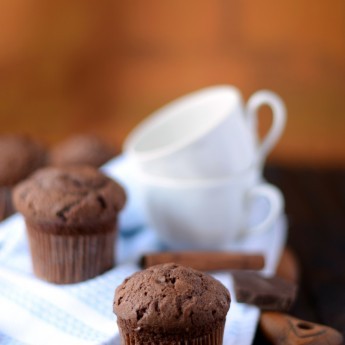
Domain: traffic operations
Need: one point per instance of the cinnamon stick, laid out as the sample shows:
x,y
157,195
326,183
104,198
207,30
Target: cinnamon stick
x,y
206,261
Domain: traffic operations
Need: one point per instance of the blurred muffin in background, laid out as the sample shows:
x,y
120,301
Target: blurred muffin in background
x,y
83,149
20,155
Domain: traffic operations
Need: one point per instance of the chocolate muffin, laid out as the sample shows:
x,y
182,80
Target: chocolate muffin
x,y
84,149
171,304
71,216
19,157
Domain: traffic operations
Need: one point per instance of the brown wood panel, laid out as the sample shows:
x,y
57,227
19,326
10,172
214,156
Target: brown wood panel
x,y
103,66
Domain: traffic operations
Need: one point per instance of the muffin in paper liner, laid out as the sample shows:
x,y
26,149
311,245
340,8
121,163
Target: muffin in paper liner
x,y
171,304
20,155
71,220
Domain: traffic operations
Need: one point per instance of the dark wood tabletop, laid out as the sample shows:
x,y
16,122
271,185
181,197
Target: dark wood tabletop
x,y
315,207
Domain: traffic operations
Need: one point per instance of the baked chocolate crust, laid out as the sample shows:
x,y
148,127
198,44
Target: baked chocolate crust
x,y
83,149
69,196
19,157
171,300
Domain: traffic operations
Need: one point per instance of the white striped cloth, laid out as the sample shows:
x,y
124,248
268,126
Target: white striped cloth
x,y
35,312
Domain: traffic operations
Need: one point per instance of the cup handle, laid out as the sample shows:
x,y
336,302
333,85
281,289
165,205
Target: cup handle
x,y
276,204
278,121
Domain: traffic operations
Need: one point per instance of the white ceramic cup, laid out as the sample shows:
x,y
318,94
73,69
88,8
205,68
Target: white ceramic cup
x,y
205,134
207,214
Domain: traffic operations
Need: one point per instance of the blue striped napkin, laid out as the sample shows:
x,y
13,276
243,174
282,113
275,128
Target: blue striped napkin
x,y
36,312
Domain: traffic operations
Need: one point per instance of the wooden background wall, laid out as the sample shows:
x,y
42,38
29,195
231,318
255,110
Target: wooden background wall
x,y
83,65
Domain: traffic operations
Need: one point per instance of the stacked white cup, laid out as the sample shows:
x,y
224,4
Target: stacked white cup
x,y
198,162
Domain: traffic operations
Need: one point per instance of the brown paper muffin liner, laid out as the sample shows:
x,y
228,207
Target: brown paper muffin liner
x,y
71,258
6,205
213,338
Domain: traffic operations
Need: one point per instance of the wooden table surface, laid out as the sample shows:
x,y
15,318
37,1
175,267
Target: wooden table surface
x,y
315,206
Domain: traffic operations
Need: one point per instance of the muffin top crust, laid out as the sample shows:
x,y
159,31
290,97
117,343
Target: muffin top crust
x,y
69,195
82,149
170,298
19,156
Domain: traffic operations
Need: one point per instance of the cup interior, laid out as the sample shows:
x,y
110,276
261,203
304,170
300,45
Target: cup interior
x,y
181,122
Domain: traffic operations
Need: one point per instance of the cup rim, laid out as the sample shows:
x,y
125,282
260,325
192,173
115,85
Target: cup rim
x,y
169,182
165,113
